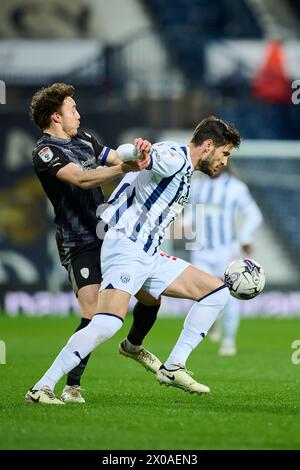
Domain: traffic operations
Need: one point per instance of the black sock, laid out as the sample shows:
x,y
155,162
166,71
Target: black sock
x,y
144,317
75,374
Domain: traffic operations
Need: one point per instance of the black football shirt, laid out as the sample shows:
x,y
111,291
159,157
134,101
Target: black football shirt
x,y
75,208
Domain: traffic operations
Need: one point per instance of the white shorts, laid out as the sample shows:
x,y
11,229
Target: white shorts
x,y
125,266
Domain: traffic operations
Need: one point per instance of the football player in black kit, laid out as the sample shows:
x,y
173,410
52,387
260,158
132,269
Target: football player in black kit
x,y
66,162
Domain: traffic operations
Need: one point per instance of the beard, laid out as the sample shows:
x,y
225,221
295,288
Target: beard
x,y
206,165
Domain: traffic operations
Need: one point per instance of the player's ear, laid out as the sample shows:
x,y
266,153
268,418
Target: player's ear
x,y
208,145
56,117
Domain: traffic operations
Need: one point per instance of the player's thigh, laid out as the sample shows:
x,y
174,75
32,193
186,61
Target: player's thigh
x,y
192,284
113,301
165,270
204,266
83,266
125,268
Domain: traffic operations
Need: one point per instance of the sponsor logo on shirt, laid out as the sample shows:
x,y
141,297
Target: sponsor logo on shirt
x,y
88,164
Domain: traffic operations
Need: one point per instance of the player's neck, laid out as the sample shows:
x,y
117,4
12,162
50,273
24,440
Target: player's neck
x,y
56,132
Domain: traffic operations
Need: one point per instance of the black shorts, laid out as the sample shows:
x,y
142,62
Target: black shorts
x,y
82,264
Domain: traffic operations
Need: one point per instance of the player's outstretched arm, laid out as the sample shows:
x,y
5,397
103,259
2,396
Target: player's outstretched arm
x,y
73,174
139,153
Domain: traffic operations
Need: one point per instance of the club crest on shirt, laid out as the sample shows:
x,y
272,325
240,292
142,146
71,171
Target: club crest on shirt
x,y
46,154
85,272
125,278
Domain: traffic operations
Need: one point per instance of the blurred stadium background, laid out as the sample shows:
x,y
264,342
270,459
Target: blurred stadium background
x,y
152,68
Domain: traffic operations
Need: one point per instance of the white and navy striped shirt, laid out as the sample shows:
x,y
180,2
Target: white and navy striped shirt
x,y
223,197
146,203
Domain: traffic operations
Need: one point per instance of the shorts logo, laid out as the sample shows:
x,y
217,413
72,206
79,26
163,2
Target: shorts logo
x,y
85,272
125,278
46,154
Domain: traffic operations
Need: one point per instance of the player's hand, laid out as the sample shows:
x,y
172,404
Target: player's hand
x,y
247,249
143,161
143,147
136,165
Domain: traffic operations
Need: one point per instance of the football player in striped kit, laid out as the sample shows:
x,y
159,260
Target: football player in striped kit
x,y
224,199
136,217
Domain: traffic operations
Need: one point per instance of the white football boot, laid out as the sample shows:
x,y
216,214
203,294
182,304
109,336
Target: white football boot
x,y
45,395
144,357
227,350
180,378
71,394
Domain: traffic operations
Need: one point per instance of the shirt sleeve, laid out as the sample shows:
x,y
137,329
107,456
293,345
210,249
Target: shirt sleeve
x,y
99,149
102,157
49,158
165,161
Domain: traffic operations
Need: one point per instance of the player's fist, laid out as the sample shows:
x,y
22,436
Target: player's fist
x,y
143,147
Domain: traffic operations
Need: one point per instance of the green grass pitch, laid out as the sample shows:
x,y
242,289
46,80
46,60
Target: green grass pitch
x,y
254,404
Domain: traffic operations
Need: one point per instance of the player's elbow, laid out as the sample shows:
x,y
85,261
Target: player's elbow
x,y
83,184
80,181
75,177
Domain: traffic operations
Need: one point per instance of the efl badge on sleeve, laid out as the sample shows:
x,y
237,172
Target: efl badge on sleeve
x,y
46,154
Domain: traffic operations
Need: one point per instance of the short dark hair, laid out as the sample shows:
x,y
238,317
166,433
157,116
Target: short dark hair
x,y
219,131
47,101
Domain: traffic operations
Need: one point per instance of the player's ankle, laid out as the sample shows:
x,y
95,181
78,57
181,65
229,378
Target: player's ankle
x,y
130,347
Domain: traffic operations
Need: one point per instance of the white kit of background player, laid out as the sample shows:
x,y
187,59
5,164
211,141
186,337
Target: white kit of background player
x,y
224,198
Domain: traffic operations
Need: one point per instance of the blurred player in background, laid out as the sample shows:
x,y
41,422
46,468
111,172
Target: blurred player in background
x,y
224,198
66,162
137,216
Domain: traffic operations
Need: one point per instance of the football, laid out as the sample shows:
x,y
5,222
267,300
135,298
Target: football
x,y
245,278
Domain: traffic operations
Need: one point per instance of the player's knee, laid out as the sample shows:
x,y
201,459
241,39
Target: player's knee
x,y
222,297
89,306
89,313
217,298
88,297
103,327
146,299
